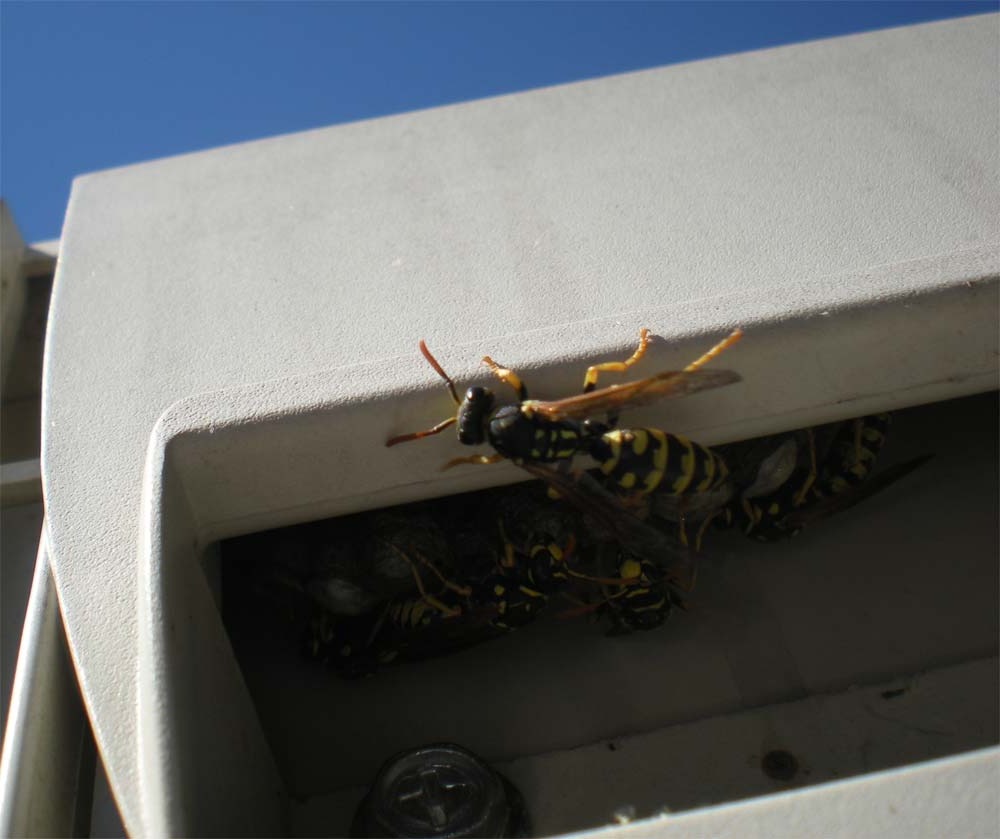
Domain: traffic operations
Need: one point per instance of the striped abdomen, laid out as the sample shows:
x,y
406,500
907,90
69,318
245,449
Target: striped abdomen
x,y
643,460
407,613
846,465
763,517
516,603
853,453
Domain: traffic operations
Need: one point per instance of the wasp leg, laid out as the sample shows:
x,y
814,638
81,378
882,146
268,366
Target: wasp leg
x,y
621,584
590,380
807,485
464,591
481,459
630,572
858,431
679,585
508,377
377,627
702,528
620,581
724,344
508,560
560,556
605,581
446,610
581,610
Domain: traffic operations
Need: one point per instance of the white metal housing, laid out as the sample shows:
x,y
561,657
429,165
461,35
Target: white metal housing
x,y
233,333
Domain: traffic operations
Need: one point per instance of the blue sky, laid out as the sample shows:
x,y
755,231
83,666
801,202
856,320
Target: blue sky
x,y
87,86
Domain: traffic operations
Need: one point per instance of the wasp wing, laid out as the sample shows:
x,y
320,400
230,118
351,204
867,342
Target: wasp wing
x,y
671,384
833,504
633,533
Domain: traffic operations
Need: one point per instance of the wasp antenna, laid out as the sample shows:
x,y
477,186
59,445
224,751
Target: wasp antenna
x,y
440,371
419,435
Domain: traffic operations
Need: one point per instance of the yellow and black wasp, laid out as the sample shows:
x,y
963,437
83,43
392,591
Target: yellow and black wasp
x,y
643,570
407,627
535,558
539,432
481,584
644,599
829,470
424,624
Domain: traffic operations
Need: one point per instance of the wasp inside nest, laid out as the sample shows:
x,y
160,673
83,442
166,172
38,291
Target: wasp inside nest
x,y
620,542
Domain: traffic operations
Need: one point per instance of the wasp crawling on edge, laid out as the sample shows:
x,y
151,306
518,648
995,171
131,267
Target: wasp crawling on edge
x,y
532,431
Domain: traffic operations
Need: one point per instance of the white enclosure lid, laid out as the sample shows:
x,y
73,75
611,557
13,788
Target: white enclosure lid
x,y
838,200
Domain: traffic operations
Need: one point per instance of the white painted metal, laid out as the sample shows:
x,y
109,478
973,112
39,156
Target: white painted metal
x,y
233,332
47,763
954,797
693,770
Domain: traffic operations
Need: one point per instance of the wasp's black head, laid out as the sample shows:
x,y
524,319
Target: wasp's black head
x,y
473,415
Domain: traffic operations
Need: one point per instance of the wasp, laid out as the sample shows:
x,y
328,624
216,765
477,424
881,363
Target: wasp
x,y
405,627
429,621
644,600
441,613
652,570
824,478
531,431
536,558
640,598
846,477
423,625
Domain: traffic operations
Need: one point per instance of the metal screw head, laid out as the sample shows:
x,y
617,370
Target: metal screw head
x,y
440,790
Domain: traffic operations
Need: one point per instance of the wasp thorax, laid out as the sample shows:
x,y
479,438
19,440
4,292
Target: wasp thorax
x,y
473,415
593,428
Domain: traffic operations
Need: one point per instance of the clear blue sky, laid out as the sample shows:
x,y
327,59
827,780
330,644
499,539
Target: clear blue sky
x,y
87,86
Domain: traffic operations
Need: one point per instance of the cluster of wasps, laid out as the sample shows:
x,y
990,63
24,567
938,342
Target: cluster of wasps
x,y
619,538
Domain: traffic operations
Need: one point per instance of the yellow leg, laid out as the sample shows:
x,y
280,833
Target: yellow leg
x,y
507,376
430,598
701,530
481,459
687,587
605,581
590,380
508,560
858,428
800,496
682,531
464,591
723,345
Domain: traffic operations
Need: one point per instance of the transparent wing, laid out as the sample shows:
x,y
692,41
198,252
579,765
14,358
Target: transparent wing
x,y
855,495
633,533
670,384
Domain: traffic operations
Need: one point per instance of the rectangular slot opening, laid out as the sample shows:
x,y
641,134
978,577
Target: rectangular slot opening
x,y
866,642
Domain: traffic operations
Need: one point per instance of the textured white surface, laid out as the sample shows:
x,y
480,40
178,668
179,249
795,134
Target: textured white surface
x,y
763,189
693,767
952,797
